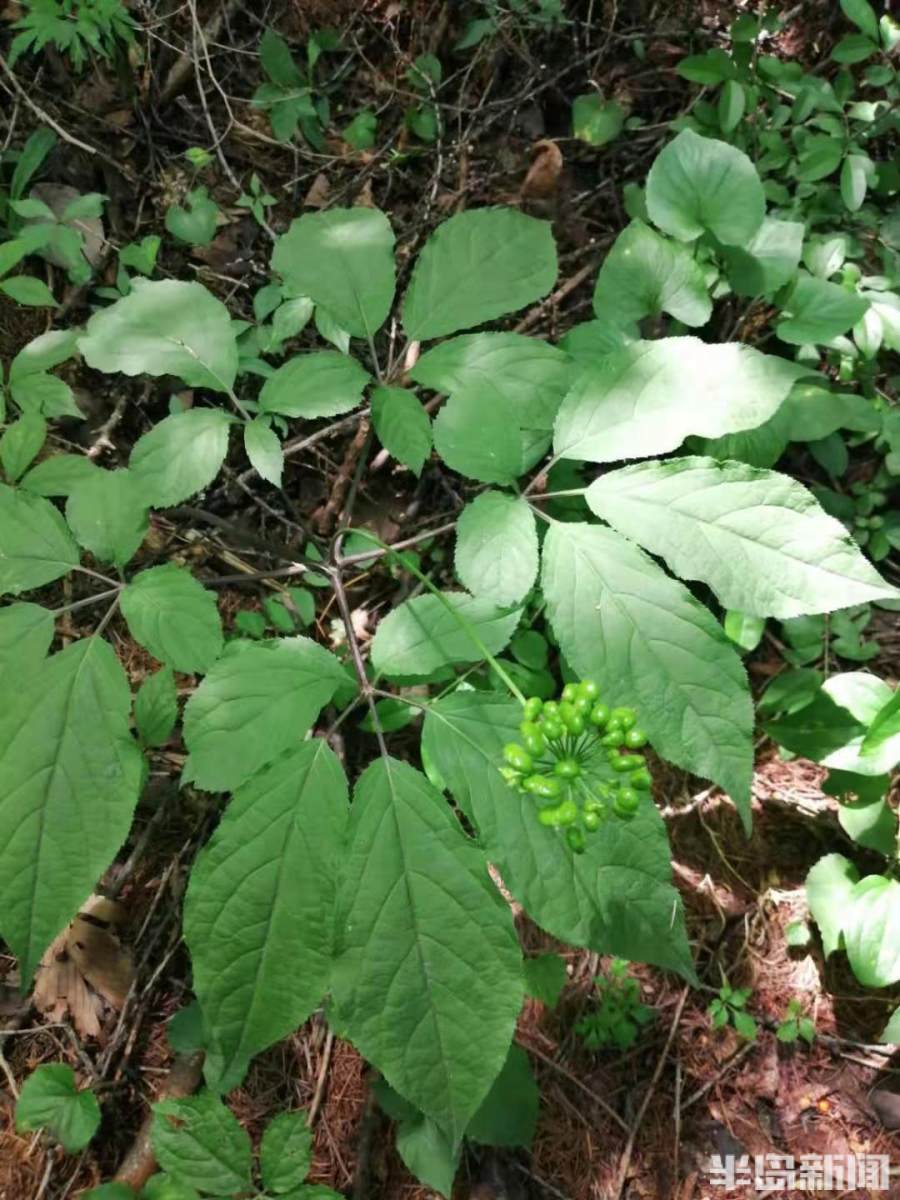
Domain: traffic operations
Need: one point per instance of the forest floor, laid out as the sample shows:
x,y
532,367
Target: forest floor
x,y
634,1124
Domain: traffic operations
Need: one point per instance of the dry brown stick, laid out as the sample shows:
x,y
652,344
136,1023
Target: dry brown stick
x,y
140,1161
325,517
320,1081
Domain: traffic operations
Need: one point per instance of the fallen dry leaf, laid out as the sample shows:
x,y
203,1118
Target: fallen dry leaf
x,y
543,175
317,196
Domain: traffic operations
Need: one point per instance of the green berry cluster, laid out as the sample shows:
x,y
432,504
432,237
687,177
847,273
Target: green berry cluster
x,y
564,745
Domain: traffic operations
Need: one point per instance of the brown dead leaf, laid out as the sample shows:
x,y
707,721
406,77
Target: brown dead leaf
x,y
543,175
317,196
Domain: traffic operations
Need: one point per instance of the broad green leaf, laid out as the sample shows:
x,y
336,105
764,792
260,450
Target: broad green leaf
x,y
343,258
156,708
645,274
475,267
475,434
816,730
320,384
35,545
257,701
20,444
891,1032
45,394
50,1099
732,102
497,548
870,822
768,261
829,886
819,156
285,1154
595,120
701,185
428,632
647,398
545,978
70,774
745,631
263,448
855,180
863,695
107,512
711,68
402,425
616,898
759,539
861,13
25,289
427,982
201,1142
43,353
196,222
647,641
259,911
181,455
165,327
173,616
871,928
428,1153
26,631
531,375
509,1113
121,1191
59,475
882,740
817,311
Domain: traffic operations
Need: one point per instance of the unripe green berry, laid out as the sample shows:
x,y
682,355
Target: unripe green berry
x,y
567,768
583,705
567,813
517,756
635,738
534,706
613,737
626,717
550,709
566,711
527,728
599,715
626,802
569,692
552,728
642,780
588,688
548,816
543,786
511,775
590,820
534,744
575,840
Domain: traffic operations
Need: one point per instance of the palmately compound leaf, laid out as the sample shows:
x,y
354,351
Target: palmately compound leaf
x,y
181,455
645,274
70,775
321,384
530,375
202,1144
646,399
26,631
107,513
616,898
259,911
475,267
701,185
871,928
257,701
497,548
164,327
645,639
50,1099
759,539
427,983
285,1154
403,426
421,634
173,616
35,545
343,259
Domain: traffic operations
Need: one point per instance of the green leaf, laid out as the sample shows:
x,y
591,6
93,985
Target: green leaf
x,y
427,983
701,185
70,774
107,512
141,256
732,102
59,475
319,384
870,823
616,898
647,398
861,13
156,708
595,120
164,328
475,267
25,289
428,1153
882,740
43,353
200,1141
26,631
343,258
530,375
121,1191
829,886
181,455
759,539
854,180
45,394
285,1154
744,1025
20,444
33,153
861,694
257,701
645,274
402,425
817,311
173,616
891,1032
508,1114
426,633
768,261
497,548
816,730
545,978
196,222
819,156
871,927
35,545
474,433
648,643
745,631
263,448
711,68
51,1100
260,904
277,61
361,132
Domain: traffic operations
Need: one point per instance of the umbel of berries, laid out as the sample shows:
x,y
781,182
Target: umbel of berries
x,y
579,759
